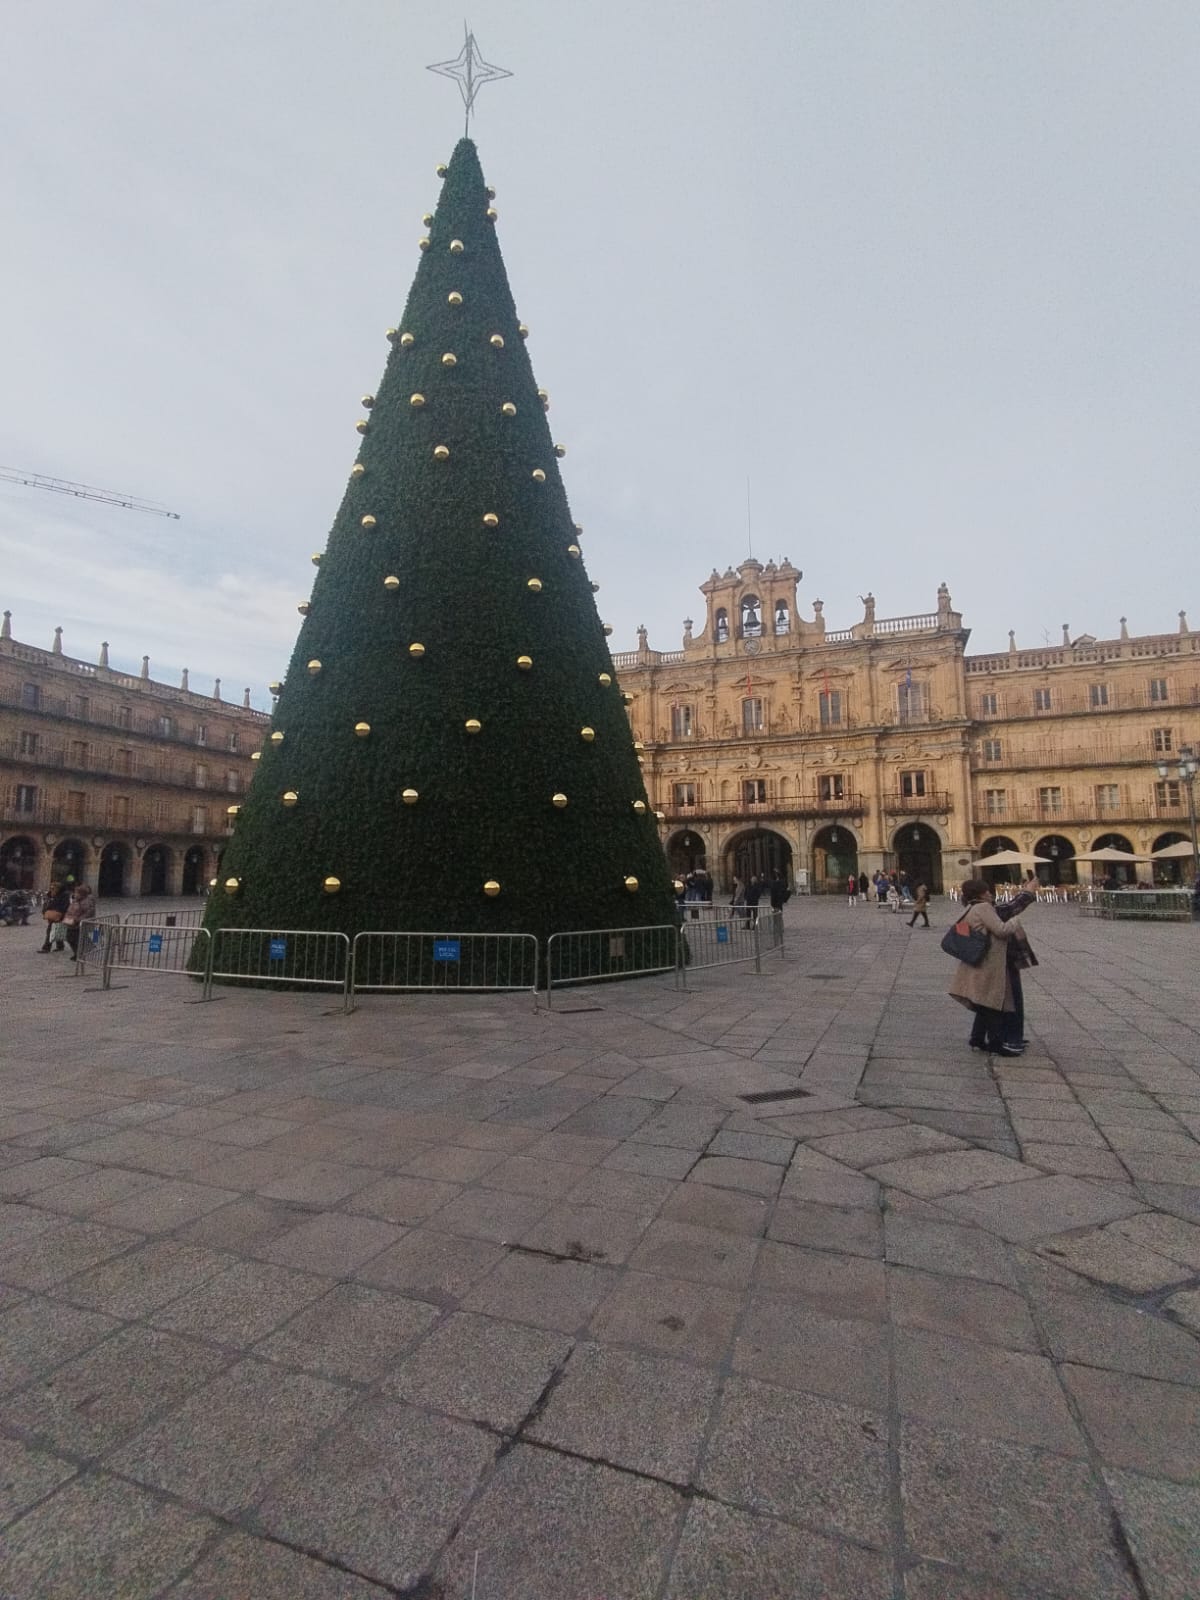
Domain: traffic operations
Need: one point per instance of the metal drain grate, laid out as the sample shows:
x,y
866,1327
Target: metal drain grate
x,y
765,1096
825,977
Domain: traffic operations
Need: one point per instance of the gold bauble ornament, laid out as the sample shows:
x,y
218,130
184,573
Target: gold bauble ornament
x,y
213,882
491,888
361,425
574,551
640,807
410,797
560,450
367,401
392,335
256,755
368,522
440,169
538,475
473,725
304,608
522,330
391,583
491,213
607,629
604,680
314,666
535,584
595,588
641,761
497,341
362,730
638,745
454,298
678,885
406,341
525,663
232,811
587,734
315,558
490,192
440,453
449,359
627,698
357,470
632,885
490,519
427,220
416,651
423,244
416,401
508,409
275,688
331,885
233,885
290,797
578,526
544,397
661,816
456,247
559,800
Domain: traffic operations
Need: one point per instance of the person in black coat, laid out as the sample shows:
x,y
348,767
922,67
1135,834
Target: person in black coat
x,y
58,900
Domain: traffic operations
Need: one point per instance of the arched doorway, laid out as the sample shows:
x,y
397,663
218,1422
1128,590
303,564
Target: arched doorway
x,y
686,851
1060,865
919,855
1170,870
993,847
757,854
67,862
1122,872
193,871
155,865
114,870
834,858
18,863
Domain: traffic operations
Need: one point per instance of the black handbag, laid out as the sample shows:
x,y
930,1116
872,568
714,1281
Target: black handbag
x,y
965,943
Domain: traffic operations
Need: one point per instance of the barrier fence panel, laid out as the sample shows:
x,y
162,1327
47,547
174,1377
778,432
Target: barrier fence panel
x,y
93,932
148,947
1153,905
191,918
599,953
728,936
296,958
435,962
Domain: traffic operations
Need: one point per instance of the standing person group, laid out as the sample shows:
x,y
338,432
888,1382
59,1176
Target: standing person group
x,y
63,912
992,989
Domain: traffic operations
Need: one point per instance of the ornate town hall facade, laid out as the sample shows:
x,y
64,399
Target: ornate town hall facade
x,y
772,741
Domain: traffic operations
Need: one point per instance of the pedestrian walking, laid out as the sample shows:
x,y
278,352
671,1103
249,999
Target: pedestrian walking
x,y
852,890
920,905
986,988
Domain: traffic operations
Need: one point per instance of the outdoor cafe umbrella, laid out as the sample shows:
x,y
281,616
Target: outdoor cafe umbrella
x,y
1173,852
1012,858
1109,854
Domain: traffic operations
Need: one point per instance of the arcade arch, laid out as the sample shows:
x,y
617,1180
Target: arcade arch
x,y
18,863
1060,860
834,858
112,879
156,868
757,852
918,851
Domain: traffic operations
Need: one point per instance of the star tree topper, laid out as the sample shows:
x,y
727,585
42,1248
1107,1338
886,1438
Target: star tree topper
x,y
470,71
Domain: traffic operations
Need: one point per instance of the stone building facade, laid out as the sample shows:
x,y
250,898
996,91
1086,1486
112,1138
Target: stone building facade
x,y
772,741
114,780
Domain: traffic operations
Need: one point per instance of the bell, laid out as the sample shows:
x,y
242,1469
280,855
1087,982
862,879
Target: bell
x,y
332,885
362,729
456,247
440,453
416,401
524,662
558,800
410,797
391,583
491,888
406,341
449,359
604,680
290,797
490,519
632,885
454,298
538,475
416,651
368,522
233,885
508,409
473,725
314,667
587,734
497,341
640,807
535,584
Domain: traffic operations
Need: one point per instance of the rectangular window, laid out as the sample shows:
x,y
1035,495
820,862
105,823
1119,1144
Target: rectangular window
x,y
685,794
1166,795
831,786
752,716
1158,691
83,707
124,762
26,799
199,819
232,781
76,803
912,785
233,741
1163,741
166,727
201,777
27,744
1043,700
31,696
754,791
79,753
1108,797
988,705
912,701
1050,801
1097,695
993,750
681,722
124,717
995,802
118,810
831,708
201,733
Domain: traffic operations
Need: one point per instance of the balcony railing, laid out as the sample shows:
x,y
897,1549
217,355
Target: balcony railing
x,y
99,763
87,821
850,805
100,715
1079,808
916,805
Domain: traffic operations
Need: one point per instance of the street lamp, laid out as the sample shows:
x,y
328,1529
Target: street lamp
x,y
1185,773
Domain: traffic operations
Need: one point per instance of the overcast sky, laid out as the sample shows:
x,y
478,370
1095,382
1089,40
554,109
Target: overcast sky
x,y
925,273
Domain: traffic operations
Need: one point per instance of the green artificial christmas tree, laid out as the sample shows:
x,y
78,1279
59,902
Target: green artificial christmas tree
x,y
449,749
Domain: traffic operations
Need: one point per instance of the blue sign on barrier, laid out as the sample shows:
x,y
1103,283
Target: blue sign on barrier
x,y
154,944
722,933
446,949
278,950
95,935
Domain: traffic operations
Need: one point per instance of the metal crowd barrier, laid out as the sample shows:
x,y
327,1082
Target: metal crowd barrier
x,y
93,932
392,963
595,954
293,957
172,919
1144,905
728,936
151,947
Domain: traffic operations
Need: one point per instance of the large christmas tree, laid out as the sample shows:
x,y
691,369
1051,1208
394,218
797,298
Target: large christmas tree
x,y
449,749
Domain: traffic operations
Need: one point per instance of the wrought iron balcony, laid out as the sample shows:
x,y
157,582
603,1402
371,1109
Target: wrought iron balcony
x,y
799,806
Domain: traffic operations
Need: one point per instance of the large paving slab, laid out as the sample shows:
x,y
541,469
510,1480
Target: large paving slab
x,y
766,1288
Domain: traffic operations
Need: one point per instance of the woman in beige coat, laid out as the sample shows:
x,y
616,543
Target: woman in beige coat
x,y
986,989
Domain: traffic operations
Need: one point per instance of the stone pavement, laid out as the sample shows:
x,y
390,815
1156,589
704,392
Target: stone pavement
x,y
450,1298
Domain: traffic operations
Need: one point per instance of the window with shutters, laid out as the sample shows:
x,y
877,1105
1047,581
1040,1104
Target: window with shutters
x,y
681,722
912,785
831,786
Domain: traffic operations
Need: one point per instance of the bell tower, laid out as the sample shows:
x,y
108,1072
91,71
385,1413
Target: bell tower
x,y
751,610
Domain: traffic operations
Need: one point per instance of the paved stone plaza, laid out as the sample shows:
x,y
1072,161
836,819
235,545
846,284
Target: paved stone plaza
x,y
454,1298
